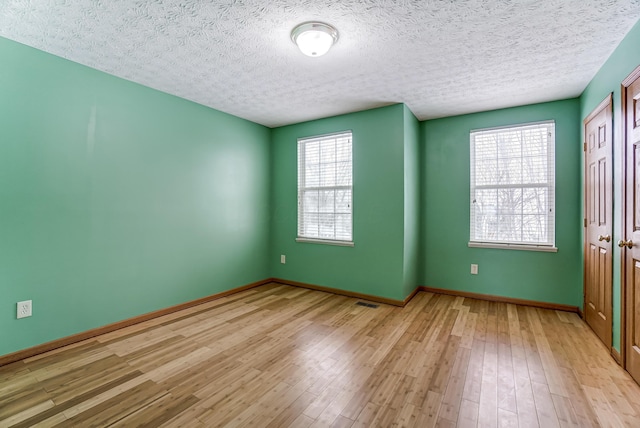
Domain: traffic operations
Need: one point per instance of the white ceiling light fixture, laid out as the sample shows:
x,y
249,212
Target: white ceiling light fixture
x,y
314,38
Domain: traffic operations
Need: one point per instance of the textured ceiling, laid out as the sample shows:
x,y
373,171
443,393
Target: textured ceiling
x,y
440,57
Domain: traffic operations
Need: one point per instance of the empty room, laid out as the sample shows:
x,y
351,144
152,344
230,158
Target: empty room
x,y
319,213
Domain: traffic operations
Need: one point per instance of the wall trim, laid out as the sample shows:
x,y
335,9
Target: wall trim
x,y
635,74
502,299
69,340
604,103
616,356
411,296
74,338
347,293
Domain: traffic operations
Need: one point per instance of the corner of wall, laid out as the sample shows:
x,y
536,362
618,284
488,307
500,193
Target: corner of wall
x,y
412,196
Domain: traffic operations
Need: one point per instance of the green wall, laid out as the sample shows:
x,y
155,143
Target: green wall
x,y
620,64
540,276
411,256
374,265
117,199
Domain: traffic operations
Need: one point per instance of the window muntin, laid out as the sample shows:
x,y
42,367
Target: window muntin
x,y
325,189
513,185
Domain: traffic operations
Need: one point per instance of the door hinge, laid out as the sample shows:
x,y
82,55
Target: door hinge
x,y
584,147
585,222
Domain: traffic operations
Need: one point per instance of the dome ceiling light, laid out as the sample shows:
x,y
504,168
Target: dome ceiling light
x,y
314,38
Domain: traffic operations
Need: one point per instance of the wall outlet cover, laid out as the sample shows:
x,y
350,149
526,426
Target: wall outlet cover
x,y
24,309
474,269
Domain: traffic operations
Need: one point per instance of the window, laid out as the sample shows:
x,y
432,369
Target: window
x,y
513,187
325,210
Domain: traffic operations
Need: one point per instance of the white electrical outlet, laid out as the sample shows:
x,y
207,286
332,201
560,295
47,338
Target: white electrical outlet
x,y
24,309
474,269
283,258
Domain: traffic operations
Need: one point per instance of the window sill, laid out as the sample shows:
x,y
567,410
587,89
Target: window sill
x,y
542,248
326,242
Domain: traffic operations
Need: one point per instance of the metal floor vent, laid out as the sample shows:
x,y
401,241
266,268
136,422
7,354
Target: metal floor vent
x,y
368,305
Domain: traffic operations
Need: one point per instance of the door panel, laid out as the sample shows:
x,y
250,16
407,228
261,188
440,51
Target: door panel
x,y
592,194
633,353
602,192
631,214
636,308
590,280
598,227
636,168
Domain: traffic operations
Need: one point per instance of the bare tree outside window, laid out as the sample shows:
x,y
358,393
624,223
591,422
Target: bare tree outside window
x,y
513,185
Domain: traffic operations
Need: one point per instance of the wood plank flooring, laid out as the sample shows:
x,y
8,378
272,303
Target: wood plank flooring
x,y
279,356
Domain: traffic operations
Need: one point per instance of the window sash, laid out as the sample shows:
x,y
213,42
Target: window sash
x,y
325,188
512,185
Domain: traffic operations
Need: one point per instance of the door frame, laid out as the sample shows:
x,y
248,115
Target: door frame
x,y
606,103
624,290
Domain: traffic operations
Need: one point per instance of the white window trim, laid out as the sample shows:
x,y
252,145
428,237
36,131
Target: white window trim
x,y
534,246
506,246
326,242
313,240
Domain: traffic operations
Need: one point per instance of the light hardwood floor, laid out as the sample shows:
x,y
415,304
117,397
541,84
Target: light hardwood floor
x,y
279,356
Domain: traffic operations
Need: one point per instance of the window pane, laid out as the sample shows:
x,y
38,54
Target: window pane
x,y
326,226
310,201
509,201
328,175
343,150
310,224
535,201
487,172
509,227
328,151
509,171
343,201
534,228
509,144
312,153
343,174
486,147
312,175
343,226
327,201
486,211
534,170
